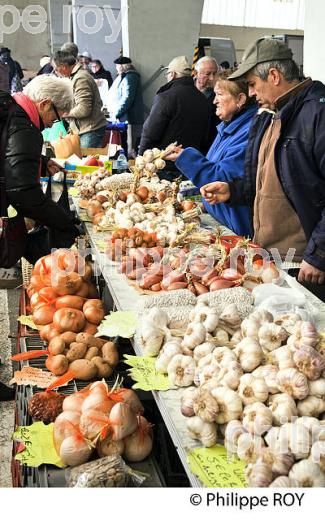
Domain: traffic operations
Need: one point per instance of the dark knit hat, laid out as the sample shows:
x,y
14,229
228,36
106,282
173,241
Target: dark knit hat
x,y
122,60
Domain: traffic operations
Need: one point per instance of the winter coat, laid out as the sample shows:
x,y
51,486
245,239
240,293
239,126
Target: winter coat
x,y
87,110
224,161
21,168
300,165
125,98
180,112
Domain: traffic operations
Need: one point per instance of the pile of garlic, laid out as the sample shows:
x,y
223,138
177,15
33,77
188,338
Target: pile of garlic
x,y
257,382
91,183
150,162
165,223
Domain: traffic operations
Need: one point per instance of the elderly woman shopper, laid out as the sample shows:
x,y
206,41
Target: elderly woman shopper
x,y
225,158
44,100
86,115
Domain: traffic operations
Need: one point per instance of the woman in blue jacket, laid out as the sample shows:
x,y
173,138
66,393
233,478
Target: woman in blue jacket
x,y
225,159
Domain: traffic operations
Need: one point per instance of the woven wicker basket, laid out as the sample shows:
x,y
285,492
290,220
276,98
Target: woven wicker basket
x,y
26,270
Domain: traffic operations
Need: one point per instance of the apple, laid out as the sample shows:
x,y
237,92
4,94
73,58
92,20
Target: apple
x,y
91,161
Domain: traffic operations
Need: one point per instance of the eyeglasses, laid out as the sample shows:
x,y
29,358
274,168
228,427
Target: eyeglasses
x,y
58,118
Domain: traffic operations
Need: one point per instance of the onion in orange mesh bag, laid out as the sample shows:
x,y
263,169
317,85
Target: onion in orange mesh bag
x,y
64,427
138,445
75,449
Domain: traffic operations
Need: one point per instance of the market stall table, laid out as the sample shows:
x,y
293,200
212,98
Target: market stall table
x,y
126,297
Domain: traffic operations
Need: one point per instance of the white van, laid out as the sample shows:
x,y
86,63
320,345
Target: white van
x,y
222,49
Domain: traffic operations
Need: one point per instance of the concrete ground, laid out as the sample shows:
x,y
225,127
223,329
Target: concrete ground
x,y
9,308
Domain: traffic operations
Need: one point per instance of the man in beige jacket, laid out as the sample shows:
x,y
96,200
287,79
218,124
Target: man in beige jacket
x,y
87,113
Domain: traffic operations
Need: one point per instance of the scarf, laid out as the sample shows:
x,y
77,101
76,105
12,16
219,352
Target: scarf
x,y
30,108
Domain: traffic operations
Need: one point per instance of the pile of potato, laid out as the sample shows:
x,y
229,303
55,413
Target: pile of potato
x,y
88,357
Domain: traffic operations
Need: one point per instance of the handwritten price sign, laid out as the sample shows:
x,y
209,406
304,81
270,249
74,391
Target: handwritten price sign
x,y
215,469
37,445
143,371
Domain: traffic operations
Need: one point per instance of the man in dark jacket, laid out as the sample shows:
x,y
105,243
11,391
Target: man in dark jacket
x,y
284,180
179,113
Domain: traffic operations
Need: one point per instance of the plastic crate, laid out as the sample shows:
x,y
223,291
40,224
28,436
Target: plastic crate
x,y
23,330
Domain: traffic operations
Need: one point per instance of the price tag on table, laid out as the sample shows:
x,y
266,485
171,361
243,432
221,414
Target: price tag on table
x,y
119,323
143,371
84,217
215,469
37,445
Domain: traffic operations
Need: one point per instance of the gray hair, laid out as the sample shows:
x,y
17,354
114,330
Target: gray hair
x,y
288,68
71,48
127,66
64,58
58,90
204,60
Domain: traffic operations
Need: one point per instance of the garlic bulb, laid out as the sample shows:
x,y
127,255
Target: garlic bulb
x,y
203,431
194,335
205,374
317,454
293,383
262,315
158,316
206,360
169,350
222,354
202,350
210,319
279,463
287,321
257,418
232,432
187,401
309,362
259,475
307,474
268,373
229,402
252,389
250,327
283,357
205,405
271,336
304,334
285,482
230,374
283,408
230,315
160,164
181,370
249,354
249,447
317,388
311,406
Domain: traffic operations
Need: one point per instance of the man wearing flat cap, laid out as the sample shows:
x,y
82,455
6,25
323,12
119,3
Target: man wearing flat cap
x,y
180,113
125,102
284,182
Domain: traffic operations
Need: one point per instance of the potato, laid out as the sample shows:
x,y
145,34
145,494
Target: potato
x,y
58,365
56,346
83,369
103,369
76,351
110,354
68,337
89,340
92,352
